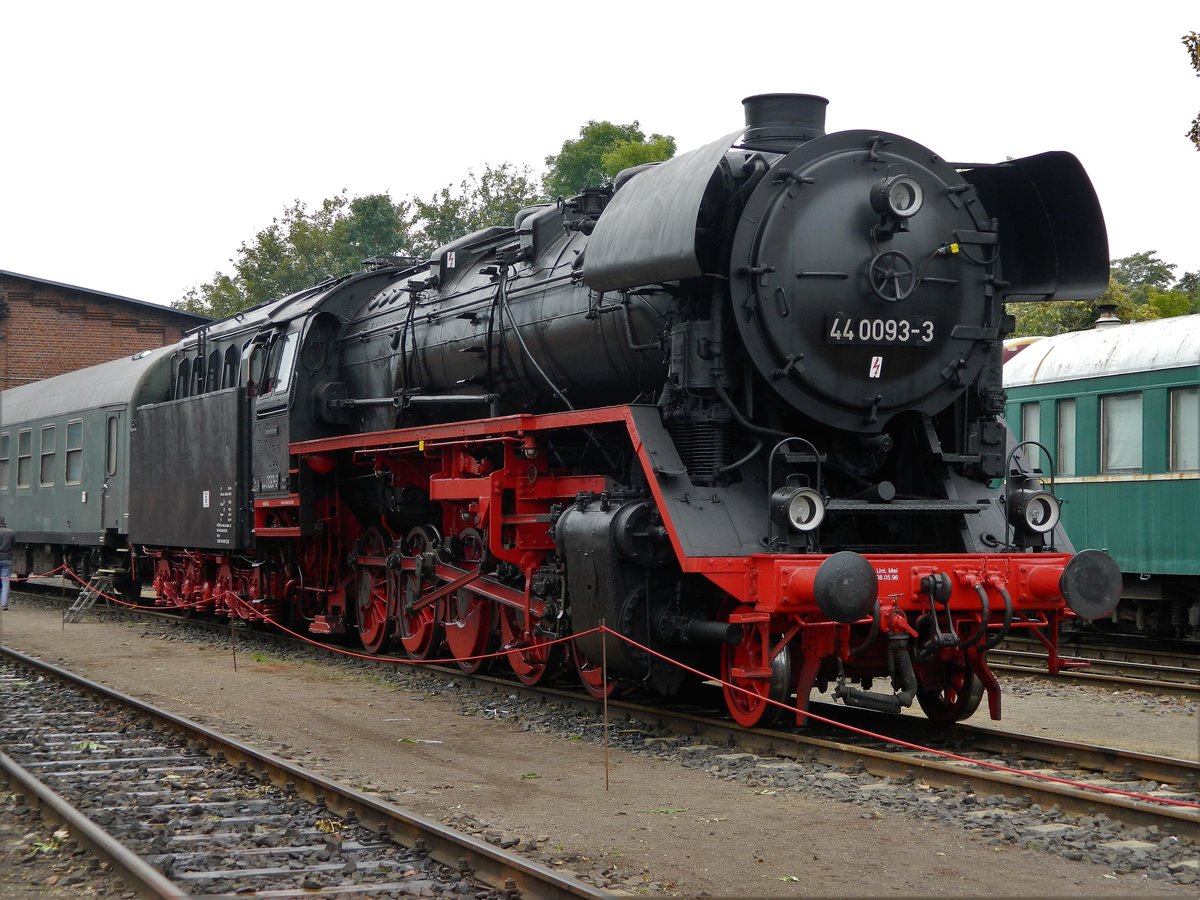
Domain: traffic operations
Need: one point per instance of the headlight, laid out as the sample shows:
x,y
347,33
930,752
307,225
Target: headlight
x,y
900,196
801,509
1038,511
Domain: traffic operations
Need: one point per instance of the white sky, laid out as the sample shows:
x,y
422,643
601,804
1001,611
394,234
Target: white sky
x,y
142,143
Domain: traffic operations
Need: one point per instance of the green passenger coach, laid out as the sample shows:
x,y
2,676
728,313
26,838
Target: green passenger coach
x,y
1116,410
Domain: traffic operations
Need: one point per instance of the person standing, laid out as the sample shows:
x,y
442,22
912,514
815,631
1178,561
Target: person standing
x,y
6,556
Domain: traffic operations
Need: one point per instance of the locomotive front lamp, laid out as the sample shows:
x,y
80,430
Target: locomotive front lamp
x,y
799,508
1036,510
899,195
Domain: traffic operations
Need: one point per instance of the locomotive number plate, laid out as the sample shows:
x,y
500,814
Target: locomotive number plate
x,y
911,331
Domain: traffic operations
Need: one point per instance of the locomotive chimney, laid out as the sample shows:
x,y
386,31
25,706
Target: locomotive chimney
x,y
778,123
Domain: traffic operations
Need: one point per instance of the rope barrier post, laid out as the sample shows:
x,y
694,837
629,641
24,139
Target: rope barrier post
x,y
233,641
604,681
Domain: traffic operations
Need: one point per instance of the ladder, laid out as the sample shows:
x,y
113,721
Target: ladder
x,y
100,584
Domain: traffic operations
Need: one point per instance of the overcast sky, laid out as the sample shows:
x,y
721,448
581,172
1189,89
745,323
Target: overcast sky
x,y
142,143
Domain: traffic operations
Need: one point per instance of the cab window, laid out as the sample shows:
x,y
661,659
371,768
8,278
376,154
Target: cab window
x,y
5,450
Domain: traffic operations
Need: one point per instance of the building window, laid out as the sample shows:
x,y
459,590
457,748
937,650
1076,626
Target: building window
x,y
1031,430
24,458
49,449
74,464
1065,451
1185,429
1121,433
5,450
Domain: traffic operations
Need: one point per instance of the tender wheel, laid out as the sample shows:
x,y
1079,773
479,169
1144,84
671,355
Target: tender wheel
x,y
534,661
956,699
591,675
372,594
421,629
469,629
745,665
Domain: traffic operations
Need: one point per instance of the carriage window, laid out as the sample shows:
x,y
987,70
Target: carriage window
x,y
74,464
5,450
1031,430
1065,450
1121,433
1185,429
49,448
24,458
110,449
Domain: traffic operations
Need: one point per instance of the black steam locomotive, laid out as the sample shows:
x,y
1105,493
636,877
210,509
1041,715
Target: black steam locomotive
x,y
743,408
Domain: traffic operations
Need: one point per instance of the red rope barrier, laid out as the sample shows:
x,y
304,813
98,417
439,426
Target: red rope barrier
x,y
603,629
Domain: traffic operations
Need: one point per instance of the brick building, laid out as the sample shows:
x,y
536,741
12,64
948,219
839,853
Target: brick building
x,y
47,328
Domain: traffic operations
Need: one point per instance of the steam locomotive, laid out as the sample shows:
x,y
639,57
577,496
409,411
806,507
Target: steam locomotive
x,y
743,408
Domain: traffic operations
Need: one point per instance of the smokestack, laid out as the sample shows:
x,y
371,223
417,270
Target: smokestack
x,y
778,123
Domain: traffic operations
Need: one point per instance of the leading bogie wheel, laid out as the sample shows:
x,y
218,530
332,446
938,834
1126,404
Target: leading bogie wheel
x,y
591,674
956,699
744,666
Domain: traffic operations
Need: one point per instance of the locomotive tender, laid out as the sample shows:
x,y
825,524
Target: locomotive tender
x,y
743,407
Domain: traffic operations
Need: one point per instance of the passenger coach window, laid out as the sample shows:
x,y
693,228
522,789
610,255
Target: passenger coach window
x,y
1065,451
1185,429
110,449
49,448
74,465
5,450
1121,433
1031,430
24,458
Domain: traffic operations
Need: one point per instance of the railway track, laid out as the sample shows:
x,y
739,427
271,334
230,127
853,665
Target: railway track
x,y
178,809
1077,779
1147,669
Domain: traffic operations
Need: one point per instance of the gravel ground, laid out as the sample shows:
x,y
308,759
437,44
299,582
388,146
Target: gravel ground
x,y
677,817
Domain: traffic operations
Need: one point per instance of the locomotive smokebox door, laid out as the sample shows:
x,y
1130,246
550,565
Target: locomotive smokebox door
x,y
848,285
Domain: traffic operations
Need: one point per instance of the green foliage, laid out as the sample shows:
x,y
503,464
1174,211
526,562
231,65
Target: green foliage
x,y
480,201
1143,270
600,152
1191,41
302,248
1059,316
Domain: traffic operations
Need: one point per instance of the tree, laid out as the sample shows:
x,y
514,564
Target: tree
x,y
1059,316
302,248
1191,41
600,152
493,198
1143,270
1151,282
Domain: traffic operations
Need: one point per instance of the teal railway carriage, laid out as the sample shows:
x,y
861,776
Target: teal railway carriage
x,y
64,444
1116,409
